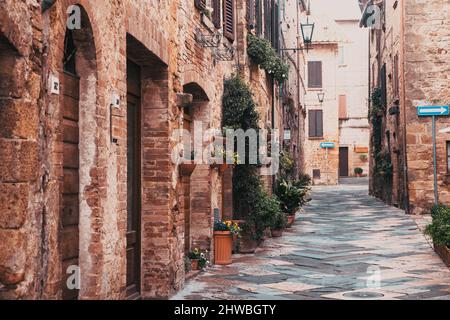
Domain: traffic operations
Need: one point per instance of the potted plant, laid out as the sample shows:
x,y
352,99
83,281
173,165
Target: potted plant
x,y
359,172
439,230
291,198
223,241
279,223
198,259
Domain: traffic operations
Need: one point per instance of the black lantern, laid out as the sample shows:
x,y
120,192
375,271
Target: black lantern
x,y
307,31
321,96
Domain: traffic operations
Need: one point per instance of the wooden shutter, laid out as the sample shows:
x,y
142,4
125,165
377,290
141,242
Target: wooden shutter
x,y
267,20
383,85
315,74
200,4
216,14
315,122
343,106
250,12
259,17
228,19
275,27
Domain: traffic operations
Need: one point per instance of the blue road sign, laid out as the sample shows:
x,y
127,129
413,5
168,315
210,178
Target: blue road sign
x,y
327,145
428,111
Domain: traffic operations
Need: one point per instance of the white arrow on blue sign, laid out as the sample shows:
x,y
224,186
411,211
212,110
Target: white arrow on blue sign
x,y
327,145
428,111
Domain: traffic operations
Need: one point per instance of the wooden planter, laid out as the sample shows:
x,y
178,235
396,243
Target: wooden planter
x,y
277,233
444,253
194,264
290,221
223,246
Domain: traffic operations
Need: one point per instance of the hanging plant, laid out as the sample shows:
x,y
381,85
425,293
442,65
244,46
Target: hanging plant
x,y
262,53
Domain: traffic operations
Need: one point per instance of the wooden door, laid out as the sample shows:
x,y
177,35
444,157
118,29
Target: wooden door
x,y
343,162
69,237
133,182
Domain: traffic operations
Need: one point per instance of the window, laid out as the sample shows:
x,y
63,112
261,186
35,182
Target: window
x,y
267,20
315,122
316,173
383,85
259,17
315,74
448,157
275,27
343,106
228,19
251,13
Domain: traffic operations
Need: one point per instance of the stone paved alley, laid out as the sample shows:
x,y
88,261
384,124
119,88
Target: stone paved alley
x,y
333,252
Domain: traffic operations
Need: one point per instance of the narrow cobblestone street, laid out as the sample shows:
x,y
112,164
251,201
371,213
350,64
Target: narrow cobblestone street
x,y
333,252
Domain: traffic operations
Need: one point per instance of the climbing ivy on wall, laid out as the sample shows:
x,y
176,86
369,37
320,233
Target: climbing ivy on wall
x,y
382,159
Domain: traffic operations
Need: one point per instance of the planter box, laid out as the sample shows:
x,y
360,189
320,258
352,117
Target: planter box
x,y
223,247
444,253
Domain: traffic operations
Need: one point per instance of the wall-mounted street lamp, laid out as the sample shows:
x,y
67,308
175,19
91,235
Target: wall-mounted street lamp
x,y
321,97
307,31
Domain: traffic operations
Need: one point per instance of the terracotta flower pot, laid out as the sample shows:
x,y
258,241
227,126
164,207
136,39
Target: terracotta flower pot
x,y
444,253
223,246
277,233
194,264
290,220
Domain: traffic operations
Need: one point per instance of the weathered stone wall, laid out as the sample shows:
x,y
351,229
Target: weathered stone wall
x,y
414,31
426,82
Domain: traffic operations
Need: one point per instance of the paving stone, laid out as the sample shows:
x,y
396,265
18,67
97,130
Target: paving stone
x,y
333,249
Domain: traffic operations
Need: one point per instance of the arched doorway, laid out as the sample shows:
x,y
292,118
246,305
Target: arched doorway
x,y
79,85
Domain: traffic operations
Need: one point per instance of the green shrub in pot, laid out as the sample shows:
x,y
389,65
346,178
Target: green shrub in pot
x,y
439,229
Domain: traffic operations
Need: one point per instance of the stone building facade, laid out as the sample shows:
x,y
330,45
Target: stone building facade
x,y
93,96
409,68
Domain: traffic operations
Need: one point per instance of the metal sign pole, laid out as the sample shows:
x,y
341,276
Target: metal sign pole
x,y
436,194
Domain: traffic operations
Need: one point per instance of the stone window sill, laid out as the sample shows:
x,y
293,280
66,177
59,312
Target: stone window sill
x,y
315,138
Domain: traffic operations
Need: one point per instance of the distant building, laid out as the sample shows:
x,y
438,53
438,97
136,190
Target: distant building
x,y
336,100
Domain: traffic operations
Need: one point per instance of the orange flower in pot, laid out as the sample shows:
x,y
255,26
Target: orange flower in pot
x,y
223,241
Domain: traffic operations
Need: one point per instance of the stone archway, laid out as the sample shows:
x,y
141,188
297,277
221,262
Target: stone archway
x,y
79,106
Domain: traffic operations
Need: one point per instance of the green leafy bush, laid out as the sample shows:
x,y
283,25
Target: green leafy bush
x,y
291,197
359,171
439,229
262,53
279,221
304,181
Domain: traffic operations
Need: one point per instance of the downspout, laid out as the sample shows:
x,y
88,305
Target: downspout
x,y
403,102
